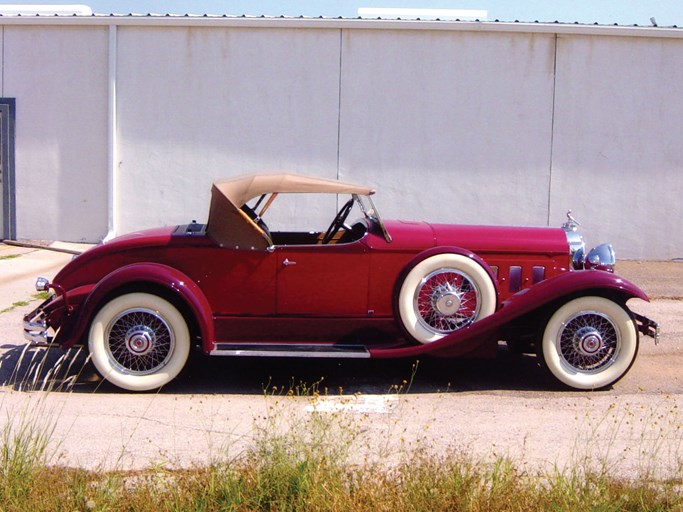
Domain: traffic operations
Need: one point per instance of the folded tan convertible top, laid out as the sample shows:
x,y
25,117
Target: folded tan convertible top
x,y
242,189
229,226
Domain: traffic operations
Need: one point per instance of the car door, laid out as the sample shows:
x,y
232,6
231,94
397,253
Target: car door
x,y
322,280
237,282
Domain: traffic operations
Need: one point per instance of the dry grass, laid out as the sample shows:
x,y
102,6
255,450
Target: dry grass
x,y
297,463
291,478
21,303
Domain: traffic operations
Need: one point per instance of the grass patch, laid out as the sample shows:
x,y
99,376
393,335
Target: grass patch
x,y
17,304
306,461
9,257
275,475
41,296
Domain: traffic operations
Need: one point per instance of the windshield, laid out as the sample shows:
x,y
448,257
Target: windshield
x,y
367,206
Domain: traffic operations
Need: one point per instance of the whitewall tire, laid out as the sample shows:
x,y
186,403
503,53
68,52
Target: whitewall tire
x,y
442,294
139,341
589,343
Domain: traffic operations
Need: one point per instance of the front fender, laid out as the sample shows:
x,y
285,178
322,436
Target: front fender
x,y
595,282
163,276
539,296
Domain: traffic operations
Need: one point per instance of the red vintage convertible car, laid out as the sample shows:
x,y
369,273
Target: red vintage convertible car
x,y
370,288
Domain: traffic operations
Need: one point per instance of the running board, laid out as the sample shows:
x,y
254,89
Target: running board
x,y
290,350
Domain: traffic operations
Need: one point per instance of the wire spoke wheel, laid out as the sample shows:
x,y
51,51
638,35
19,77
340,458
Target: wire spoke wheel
x,y
446,300
589,343
139,341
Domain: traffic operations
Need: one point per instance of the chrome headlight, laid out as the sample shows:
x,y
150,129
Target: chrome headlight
x,y
578,257
601,257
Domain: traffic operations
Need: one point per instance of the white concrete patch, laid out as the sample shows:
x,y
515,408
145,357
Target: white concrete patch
x,y
364,404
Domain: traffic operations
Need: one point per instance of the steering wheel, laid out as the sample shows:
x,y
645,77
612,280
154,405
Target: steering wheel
x,y
338,221
258,220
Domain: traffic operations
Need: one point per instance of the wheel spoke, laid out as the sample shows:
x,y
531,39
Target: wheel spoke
x,y
139,341
589,342
446,300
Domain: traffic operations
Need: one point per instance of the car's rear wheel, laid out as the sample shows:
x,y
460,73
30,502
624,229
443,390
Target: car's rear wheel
x,y
442,294
589,343
139,341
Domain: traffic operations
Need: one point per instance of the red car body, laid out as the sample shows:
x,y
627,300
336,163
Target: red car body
x,y
295,296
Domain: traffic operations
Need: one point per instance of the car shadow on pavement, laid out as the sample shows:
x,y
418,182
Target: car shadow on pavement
x,y
32,367
348,376
27,368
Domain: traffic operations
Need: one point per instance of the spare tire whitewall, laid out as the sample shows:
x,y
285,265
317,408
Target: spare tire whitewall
x,y
139,341
589,343
442,294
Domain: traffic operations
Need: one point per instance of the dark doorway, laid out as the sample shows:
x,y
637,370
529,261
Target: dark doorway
x,y
8,196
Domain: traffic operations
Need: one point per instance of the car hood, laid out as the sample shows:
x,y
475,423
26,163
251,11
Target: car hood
x,y
478,239
502,239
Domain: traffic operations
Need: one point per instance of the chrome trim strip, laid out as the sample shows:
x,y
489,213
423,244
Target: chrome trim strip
x,y
32,326
290,350
36,332
41,337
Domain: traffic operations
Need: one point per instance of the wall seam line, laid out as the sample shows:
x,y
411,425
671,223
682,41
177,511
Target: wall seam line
x,y
552,133
339,100
112,125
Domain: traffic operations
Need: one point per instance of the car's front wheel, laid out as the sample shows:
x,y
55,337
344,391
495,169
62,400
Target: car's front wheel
x,y
139,341
589,343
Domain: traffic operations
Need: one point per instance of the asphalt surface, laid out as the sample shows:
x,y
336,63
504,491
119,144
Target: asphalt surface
x,y
383,410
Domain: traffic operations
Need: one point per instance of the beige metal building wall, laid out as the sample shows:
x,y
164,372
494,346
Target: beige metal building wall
x,y
618,141
123,122
58,75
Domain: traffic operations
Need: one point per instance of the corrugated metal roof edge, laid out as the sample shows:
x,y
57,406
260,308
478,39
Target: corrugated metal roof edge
x,y
341,22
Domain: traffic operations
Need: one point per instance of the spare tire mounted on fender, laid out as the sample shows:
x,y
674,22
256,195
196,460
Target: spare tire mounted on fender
x,y
442,294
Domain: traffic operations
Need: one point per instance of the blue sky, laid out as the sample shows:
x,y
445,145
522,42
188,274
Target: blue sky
x,y
623,12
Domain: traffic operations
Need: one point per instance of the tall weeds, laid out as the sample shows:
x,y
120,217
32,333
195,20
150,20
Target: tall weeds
x,y
23,455
307,460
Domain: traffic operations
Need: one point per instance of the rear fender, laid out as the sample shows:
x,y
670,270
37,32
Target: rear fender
x,y
542,295
168,278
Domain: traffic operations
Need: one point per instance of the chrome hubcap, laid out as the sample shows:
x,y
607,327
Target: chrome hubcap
x,y
139,341
589,342
447,303
446,300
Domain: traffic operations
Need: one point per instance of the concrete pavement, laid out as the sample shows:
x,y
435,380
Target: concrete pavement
x,y
19,267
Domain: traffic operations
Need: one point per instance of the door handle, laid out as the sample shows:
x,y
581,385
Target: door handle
x,y
287,263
